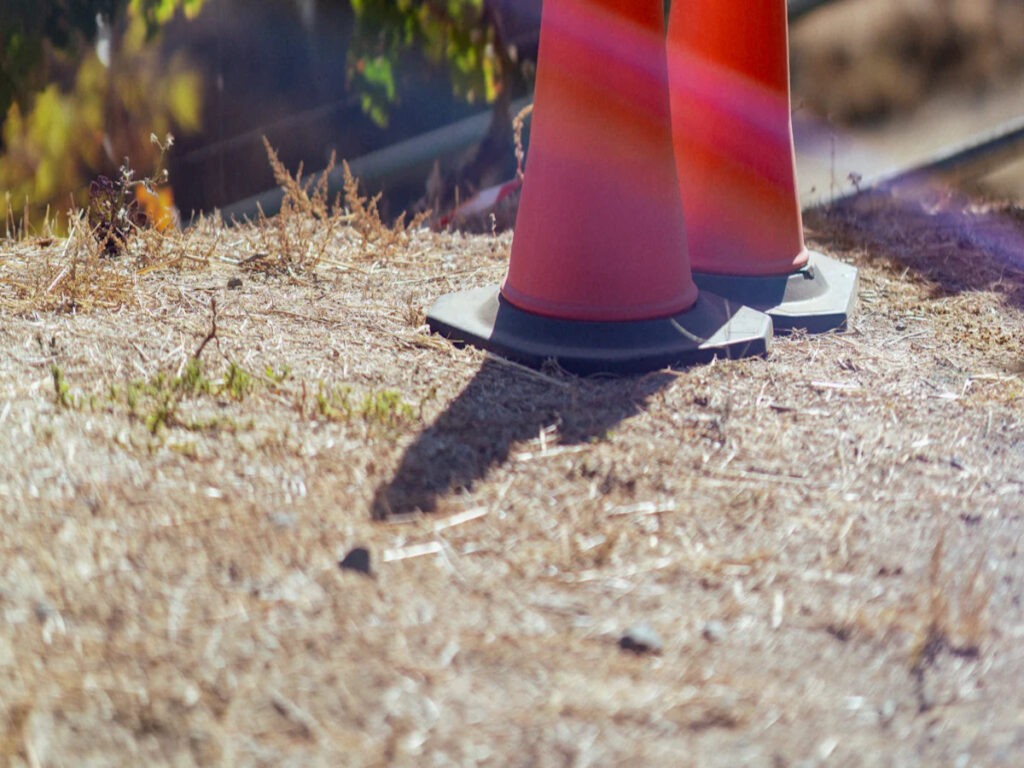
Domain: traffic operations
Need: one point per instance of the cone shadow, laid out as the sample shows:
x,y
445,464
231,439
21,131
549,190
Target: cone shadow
x,y
499,409
957,247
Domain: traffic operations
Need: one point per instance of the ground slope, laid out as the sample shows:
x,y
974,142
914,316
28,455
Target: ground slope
x,y
827,541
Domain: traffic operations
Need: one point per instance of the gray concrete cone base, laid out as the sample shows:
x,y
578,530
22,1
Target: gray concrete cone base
x,y
712,328
819,298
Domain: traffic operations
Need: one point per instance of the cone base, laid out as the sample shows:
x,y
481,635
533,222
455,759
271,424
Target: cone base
x,y
818,298
713,327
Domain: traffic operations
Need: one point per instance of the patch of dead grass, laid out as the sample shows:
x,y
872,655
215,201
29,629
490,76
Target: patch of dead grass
x,y
296,241
70,276
173,596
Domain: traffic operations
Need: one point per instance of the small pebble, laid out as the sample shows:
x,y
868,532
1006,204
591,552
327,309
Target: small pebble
x,y
641,638
43,610
282,519
713,631
235,282
357,560
887,711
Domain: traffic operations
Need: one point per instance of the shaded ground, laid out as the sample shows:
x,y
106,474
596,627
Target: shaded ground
x,y
828,541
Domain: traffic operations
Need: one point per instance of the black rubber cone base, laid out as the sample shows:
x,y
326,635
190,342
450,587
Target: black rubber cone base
x,y
712,328
819,298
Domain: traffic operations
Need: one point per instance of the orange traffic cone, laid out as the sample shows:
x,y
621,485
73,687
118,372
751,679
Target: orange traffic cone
x,y
733,134
595,279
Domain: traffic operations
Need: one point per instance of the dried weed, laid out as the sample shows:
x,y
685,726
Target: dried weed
x,y
952,620
379,241
110,244
297,240
75,276
518,125
294,242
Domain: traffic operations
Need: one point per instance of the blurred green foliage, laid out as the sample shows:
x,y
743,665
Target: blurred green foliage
x,y
156,13
30,28
461,36
26,26
74,102
394,36
67,113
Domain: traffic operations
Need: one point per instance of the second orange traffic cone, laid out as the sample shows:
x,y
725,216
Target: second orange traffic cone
x,y
733,135
598,278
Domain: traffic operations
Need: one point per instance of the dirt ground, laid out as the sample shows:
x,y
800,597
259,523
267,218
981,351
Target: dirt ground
x,y
826,542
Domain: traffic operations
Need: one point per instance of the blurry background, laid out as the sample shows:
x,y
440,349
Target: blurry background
x,y
880,84
84,83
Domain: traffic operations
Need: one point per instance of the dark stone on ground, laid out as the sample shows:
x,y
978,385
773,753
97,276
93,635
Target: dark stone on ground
x,y
641,639
713,631
357,560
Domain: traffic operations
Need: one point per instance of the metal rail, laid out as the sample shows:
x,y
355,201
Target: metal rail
x,y
958,164
800,8
396,161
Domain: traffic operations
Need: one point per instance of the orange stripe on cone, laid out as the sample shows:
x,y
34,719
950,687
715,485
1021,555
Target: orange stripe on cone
x,y
599,235
733,136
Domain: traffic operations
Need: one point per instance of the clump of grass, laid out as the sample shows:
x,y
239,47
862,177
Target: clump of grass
x,y
237,382
276,377
192,380
61,391
114,212
334,404
157,402
297,239
386,407
377,408
73,277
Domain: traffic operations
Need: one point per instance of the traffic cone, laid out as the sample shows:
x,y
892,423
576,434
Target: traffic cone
x,y
595,278
733,135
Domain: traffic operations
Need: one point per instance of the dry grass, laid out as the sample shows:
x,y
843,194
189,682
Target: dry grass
x,y
827,541
309,226
46,275
295,242
76,274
